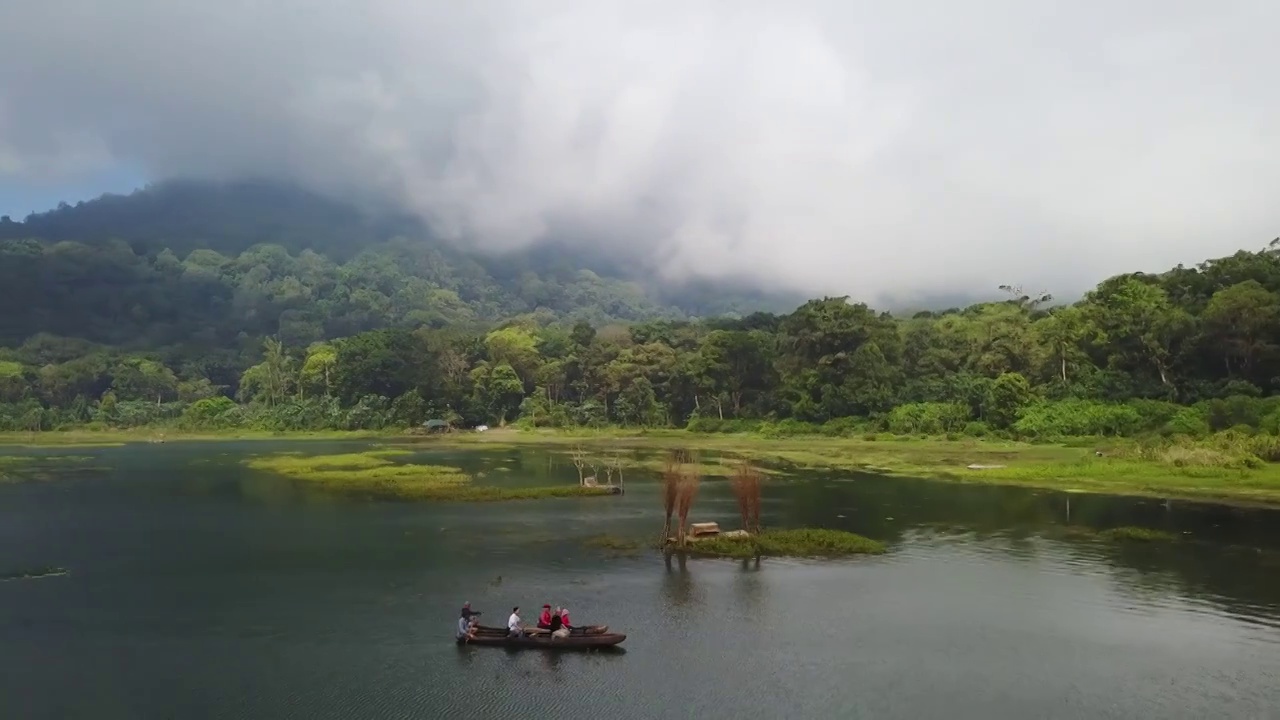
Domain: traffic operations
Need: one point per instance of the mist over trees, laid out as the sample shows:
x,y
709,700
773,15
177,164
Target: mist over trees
x,y
296,314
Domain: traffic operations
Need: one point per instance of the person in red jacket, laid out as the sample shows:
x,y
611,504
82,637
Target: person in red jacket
x,y
544,620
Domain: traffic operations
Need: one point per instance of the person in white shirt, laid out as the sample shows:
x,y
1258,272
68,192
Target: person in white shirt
x,y
514,629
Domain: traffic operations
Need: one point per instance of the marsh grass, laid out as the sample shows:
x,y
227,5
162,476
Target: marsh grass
x,y
379,473
803,542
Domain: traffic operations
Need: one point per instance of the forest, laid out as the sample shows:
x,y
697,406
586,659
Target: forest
x,y
109,325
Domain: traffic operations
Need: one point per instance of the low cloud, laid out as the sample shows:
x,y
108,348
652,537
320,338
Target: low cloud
x,y
875,149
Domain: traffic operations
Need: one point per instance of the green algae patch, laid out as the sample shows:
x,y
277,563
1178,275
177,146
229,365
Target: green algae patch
x,y
802,542
24,468
388,473
616,545
1136,534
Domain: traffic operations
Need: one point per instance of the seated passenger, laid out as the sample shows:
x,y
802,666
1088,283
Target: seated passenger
x,y
466,628
514,629
558,630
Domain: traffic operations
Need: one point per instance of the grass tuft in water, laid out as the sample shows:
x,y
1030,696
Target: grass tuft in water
x,y
379,472
1136,534
803,542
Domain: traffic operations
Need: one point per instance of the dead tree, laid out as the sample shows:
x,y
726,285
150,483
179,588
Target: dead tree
x,y
745,483
670,489
580,462
612,465
686,491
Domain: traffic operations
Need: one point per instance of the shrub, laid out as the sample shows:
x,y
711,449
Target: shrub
x,y
1188,421
1068,418
930,418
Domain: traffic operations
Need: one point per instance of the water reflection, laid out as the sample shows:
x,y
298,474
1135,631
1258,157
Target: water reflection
x,y
677,583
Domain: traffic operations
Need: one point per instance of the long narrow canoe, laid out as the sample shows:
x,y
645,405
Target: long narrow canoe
x,y
544,642
575,631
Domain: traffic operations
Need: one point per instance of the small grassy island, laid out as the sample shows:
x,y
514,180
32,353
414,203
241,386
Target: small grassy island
x,y
680,480
385,473
803,542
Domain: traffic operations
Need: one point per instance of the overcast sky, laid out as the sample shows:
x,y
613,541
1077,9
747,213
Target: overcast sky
x,y
820,145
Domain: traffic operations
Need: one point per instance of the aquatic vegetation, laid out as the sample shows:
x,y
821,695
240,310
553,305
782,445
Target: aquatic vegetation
x,y
1121,468
1136,534
378,472
33,573
18,468
616,545
802,542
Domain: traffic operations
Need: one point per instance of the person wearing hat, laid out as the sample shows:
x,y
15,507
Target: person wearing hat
x,y
467,612
544,620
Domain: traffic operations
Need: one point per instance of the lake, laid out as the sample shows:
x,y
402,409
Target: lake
x,y
196,588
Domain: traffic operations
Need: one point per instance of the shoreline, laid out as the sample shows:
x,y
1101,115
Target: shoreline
x,y
1055,467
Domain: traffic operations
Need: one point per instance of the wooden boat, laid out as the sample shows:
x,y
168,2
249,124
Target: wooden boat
x,y
573,632
546,642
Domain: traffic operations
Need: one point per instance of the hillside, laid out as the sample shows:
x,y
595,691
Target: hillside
x,y
206,263
175,303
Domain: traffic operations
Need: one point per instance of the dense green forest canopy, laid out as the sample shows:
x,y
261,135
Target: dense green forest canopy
x,y
297,314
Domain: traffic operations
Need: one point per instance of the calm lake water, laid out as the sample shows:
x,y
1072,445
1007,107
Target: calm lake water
x,y
196,588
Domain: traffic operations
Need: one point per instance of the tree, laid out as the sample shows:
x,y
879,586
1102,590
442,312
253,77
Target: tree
x,y
316,375
1006,398
142,379
271,380
1137,324
498,391
517,347
1060,333
13,382
1243,322
737,364
637,405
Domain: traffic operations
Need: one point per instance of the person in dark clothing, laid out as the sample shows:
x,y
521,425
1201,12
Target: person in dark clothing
x,y
558,628
467,612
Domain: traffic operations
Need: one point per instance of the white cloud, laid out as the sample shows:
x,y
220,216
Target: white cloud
x,y
824,146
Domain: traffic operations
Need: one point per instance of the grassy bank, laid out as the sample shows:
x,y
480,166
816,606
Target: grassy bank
x,y
117,438
1222,469
383,473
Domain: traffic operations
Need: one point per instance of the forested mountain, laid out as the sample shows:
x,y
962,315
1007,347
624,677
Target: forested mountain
x,y
203,263
168,306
